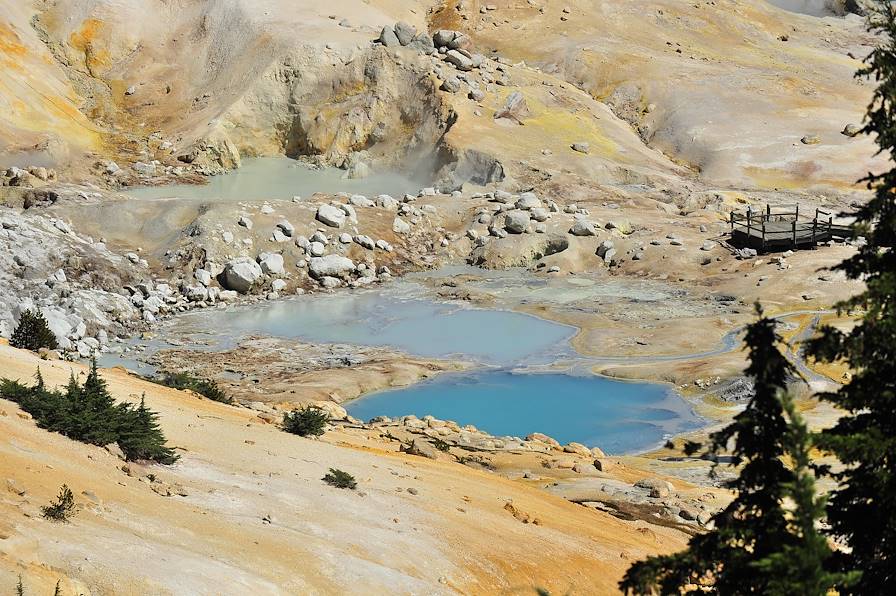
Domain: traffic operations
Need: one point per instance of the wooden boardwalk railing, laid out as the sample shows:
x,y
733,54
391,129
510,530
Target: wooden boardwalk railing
x,y
775,230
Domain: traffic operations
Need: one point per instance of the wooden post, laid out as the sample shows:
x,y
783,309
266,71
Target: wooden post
x,y
749,222
763,237
768,216
794,234
814,226
732,222
797,211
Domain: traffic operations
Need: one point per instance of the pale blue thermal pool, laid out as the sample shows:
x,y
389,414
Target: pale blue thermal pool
x,y
617,416
497,397
416,326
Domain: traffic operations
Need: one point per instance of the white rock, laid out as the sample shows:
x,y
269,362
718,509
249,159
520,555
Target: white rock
x,y
365,241
527,201
539,214
317,249
460,61
387,202
350,213
196,293
330,266
361,201
204,277
400,226
516,222
271,263
287,228
241,274
582,227
331,216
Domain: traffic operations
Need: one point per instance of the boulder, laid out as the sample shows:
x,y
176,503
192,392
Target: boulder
x,y
360,201
388,38
365,241
317,249
387,202
331,216
604,248
330,266
443,37
543,438
516,222
461,41
581,147
241,274
658,489
421,448
451,85
582,227
405,33
197,293
577,448
459,60
423,43
144,169
287,228
350,213
539,214
271,263
400,226
528,201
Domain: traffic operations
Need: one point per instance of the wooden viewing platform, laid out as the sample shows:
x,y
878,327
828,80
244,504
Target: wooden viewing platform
x,y
781,230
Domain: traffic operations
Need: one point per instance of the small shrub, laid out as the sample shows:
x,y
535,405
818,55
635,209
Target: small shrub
x,y
440,444
20,587
204,387
32,332
63,508
340,479
307,421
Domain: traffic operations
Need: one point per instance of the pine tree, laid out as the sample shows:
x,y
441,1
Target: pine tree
x,y
92,415
33,333
757,535
141,437
62,508
88,413
862,510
